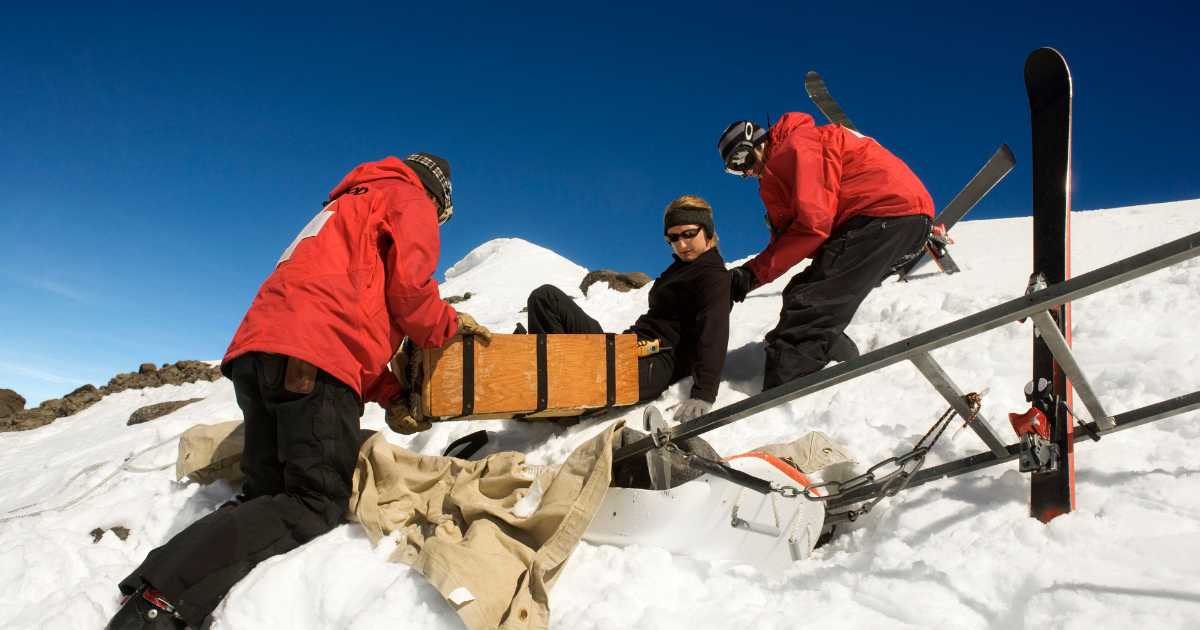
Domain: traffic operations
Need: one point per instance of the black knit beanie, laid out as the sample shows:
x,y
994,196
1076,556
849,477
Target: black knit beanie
x,y
690,215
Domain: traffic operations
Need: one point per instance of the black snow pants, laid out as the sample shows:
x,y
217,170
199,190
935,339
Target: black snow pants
x,y
301,449
820,301
552,311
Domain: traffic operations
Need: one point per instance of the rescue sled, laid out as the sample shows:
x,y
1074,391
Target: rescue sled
x,y
712,516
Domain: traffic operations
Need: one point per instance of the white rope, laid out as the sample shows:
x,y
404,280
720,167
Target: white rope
x,y
126,465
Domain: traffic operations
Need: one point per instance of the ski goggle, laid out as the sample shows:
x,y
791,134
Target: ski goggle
x,y
686,235
737,144
741,160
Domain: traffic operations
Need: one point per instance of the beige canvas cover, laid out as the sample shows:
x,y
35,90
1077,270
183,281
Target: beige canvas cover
x,y
813,452
208,452
491,535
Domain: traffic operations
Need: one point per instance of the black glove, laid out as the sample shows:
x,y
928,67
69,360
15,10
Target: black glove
x,y
741,281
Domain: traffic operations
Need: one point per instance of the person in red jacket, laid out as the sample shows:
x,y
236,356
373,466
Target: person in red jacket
x,y
838,198
312,348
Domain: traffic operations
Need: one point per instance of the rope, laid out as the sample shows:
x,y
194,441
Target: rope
x,y
126,465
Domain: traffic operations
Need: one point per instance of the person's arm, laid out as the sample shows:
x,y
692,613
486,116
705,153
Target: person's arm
x,y
385,389
414,303
712,325
801,183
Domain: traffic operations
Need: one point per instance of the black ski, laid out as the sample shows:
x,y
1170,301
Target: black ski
x,y
819,93
1048,83
996,168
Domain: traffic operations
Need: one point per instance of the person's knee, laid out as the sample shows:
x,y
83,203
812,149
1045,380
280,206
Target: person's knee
x,y
545,293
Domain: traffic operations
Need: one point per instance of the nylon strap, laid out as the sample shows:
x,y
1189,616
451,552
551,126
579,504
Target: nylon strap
x,y
542,380
468,380
543,387
610,360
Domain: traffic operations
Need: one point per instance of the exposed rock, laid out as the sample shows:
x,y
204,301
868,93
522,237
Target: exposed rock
x,y
82,398
78,400
150,412
98,533
148,376
622,281
455,299
28,419
10,403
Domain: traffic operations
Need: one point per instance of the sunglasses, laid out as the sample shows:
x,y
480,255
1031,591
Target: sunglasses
x,y
686,235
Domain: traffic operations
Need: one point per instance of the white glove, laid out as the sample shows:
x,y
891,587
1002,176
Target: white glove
x,y
691,408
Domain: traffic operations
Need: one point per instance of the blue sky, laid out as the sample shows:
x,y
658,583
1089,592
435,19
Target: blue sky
x,y
155,160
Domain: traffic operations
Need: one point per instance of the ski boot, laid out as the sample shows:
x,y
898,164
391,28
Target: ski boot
x,y
146,609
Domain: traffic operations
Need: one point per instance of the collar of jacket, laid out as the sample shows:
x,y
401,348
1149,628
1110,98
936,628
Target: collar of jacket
x,y
712,255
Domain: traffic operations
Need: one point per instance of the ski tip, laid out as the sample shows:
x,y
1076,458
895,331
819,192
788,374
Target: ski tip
x,y
1047,77
1007,152
1046,52
812,75
1043,59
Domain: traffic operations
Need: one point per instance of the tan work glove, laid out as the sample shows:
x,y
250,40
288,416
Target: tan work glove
x,y
400,417
468,326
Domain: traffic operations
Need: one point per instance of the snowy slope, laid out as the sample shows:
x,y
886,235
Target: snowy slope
x,y
959,553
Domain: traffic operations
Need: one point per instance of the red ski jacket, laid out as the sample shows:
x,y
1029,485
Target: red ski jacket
x,y
357,279
817,177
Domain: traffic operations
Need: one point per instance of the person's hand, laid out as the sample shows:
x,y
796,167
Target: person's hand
x,y
741,281
400,418
468,326
690,409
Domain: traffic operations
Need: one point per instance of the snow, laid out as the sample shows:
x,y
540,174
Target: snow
x,y
959,553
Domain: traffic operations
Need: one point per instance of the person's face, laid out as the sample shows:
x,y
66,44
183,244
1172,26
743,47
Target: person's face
x,y
436,207
688,241
760,161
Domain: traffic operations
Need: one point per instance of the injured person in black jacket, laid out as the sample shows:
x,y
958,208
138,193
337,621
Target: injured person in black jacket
x,y
686,331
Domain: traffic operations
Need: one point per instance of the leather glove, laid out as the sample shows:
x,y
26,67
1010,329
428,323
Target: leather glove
x,y
741,281
468,326
400,418
690,409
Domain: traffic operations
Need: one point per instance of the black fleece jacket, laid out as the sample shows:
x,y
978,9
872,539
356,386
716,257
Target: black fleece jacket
x,y
689,312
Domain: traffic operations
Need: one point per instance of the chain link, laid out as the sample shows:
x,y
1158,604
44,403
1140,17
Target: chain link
x,y
902,468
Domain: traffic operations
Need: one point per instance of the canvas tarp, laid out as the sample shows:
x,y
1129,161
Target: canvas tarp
x,y
491,535
208,452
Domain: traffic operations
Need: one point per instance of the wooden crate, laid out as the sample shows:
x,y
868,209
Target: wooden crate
x,y
529,376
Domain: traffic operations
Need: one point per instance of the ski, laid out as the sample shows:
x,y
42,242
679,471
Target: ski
x,y
994,170
819,93
1048,83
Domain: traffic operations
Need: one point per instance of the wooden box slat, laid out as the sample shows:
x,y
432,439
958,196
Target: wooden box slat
x,y
505,376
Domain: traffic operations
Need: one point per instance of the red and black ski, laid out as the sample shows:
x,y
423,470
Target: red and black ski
x,y
999,165
1048,83
936,249
819,93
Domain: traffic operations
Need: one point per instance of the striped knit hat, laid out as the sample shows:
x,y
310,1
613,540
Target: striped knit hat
x,y
435,175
